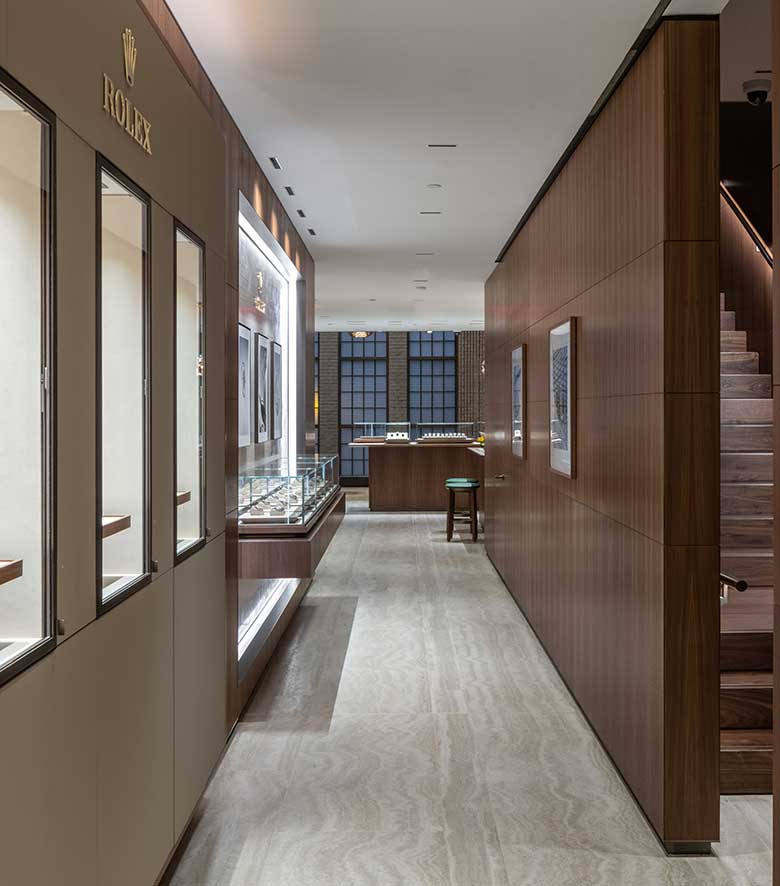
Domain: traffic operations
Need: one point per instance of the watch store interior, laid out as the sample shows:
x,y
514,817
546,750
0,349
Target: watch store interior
x,y
387,466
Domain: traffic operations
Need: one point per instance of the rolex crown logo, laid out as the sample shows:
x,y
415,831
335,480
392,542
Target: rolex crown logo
x,y
131,54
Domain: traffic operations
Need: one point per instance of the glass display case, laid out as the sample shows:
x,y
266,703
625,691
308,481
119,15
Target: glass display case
x,y
383,432
284,495
445,432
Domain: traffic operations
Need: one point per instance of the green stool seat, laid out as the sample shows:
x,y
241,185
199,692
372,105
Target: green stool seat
x,y
470,486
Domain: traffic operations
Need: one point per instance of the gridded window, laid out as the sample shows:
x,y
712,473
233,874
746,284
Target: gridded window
x,y
432,377
363,395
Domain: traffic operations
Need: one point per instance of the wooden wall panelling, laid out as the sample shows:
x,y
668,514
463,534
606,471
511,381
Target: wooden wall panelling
x,y
603,563
746,280
776,382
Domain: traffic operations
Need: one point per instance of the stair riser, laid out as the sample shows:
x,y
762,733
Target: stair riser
x,y
746,535
758,572
728,320
746,467
746,438
746,651
746,772
741,361
745,386
746,501
733,341
745,708
747,411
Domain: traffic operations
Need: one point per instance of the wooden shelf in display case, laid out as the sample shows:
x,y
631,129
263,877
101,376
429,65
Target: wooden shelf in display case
x,y
182,498
9,570
113,524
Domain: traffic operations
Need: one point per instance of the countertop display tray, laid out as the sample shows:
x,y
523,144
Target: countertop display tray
x,y
10,569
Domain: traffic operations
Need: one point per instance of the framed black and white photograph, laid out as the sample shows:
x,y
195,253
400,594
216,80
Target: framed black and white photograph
x,y
563,397
518,402
262,388
277,397
244,386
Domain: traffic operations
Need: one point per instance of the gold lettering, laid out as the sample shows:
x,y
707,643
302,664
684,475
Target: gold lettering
x,y
120,108
147,132
137,123
108,95
129,120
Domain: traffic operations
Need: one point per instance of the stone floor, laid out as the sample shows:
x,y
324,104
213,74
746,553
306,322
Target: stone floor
x,y
410,730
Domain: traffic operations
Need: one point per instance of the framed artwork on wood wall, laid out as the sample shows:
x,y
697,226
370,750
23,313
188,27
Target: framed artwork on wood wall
x,y
244,385
518,401
262,388
277,398
563,397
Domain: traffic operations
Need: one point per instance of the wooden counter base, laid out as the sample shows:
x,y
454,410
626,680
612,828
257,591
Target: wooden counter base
x,y
280,556
411,478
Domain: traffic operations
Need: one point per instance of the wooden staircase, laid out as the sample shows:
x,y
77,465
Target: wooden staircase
x,y
746,634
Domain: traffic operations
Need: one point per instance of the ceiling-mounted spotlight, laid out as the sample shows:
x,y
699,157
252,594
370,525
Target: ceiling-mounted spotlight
x,y
301,213
289,190
275,163
359,334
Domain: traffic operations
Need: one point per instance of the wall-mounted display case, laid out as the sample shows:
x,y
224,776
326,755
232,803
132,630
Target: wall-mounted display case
x,y
190,394
26,380
286,495
124,542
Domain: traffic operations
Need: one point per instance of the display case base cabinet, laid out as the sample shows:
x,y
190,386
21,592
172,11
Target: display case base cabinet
x,y
412,478
279,556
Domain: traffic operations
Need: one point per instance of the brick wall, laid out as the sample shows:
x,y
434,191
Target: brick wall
x,y
397,377
329,393
471,380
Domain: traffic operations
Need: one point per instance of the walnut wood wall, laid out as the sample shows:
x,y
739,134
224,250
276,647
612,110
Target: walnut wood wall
x,y
242,173
617,570
776,395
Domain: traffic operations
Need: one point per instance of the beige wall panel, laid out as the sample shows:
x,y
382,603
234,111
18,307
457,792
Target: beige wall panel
x,y
24,762
186,144
72,799
200,678
163,405
215,393
76,544
135,737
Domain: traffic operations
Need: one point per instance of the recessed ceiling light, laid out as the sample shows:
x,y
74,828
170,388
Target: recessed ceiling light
x,y
433,185
420,287
289,190
442,145
372,299
425,253
312,232
301,213
275,163
420,281
430,212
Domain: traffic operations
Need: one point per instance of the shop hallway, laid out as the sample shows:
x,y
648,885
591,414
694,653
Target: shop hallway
x,y
410,730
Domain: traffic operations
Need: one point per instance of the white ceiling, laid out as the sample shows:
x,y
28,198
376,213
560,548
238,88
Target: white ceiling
x,y
347,95
745,46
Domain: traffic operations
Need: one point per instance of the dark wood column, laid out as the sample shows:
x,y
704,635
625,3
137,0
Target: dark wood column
x,y
776,395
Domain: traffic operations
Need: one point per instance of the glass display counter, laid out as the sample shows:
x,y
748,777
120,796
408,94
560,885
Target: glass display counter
x,y
383,432
446,432
284,496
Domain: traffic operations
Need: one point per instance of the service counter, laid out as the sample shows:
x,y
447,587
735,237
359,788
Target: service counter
x,y
411,476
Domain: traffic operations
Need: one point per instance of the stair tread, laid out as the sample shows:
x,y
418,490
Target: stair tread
x,y
746,552
746,740
746,680
757,621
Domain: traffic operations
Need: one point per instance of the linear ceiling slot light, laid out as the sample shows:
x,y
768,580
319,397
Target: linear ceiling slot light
x,y
433,186
301,213
275,163
289,190
312,232
425,253
420,287
420,281
430,212
442,146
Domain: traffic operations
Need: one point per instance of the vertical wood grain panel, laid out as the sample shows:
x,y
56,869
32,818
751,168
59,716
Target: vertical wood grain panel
x,y
776,393
617,568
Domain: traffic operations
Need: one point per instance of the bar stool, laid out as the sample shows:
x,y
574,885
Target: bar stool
x,y
462,484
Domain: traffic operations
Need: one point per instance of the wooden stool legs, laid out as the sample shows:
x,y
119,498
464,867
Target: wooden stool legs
x,y
450,514
473,517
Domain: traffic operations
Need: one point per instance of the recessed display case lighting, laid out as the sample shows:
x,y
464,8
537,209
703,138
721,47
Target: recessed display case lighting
x,y
289,190
275,163
301,213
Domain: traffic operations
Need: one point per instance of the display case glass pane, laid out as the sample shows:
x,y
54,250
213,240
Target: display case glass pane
x,y
124,273
25,447
190,372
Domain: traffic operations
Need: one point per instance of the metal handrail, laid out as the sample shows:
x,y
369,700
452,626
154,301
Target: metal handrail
x,y
761,246
728,581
